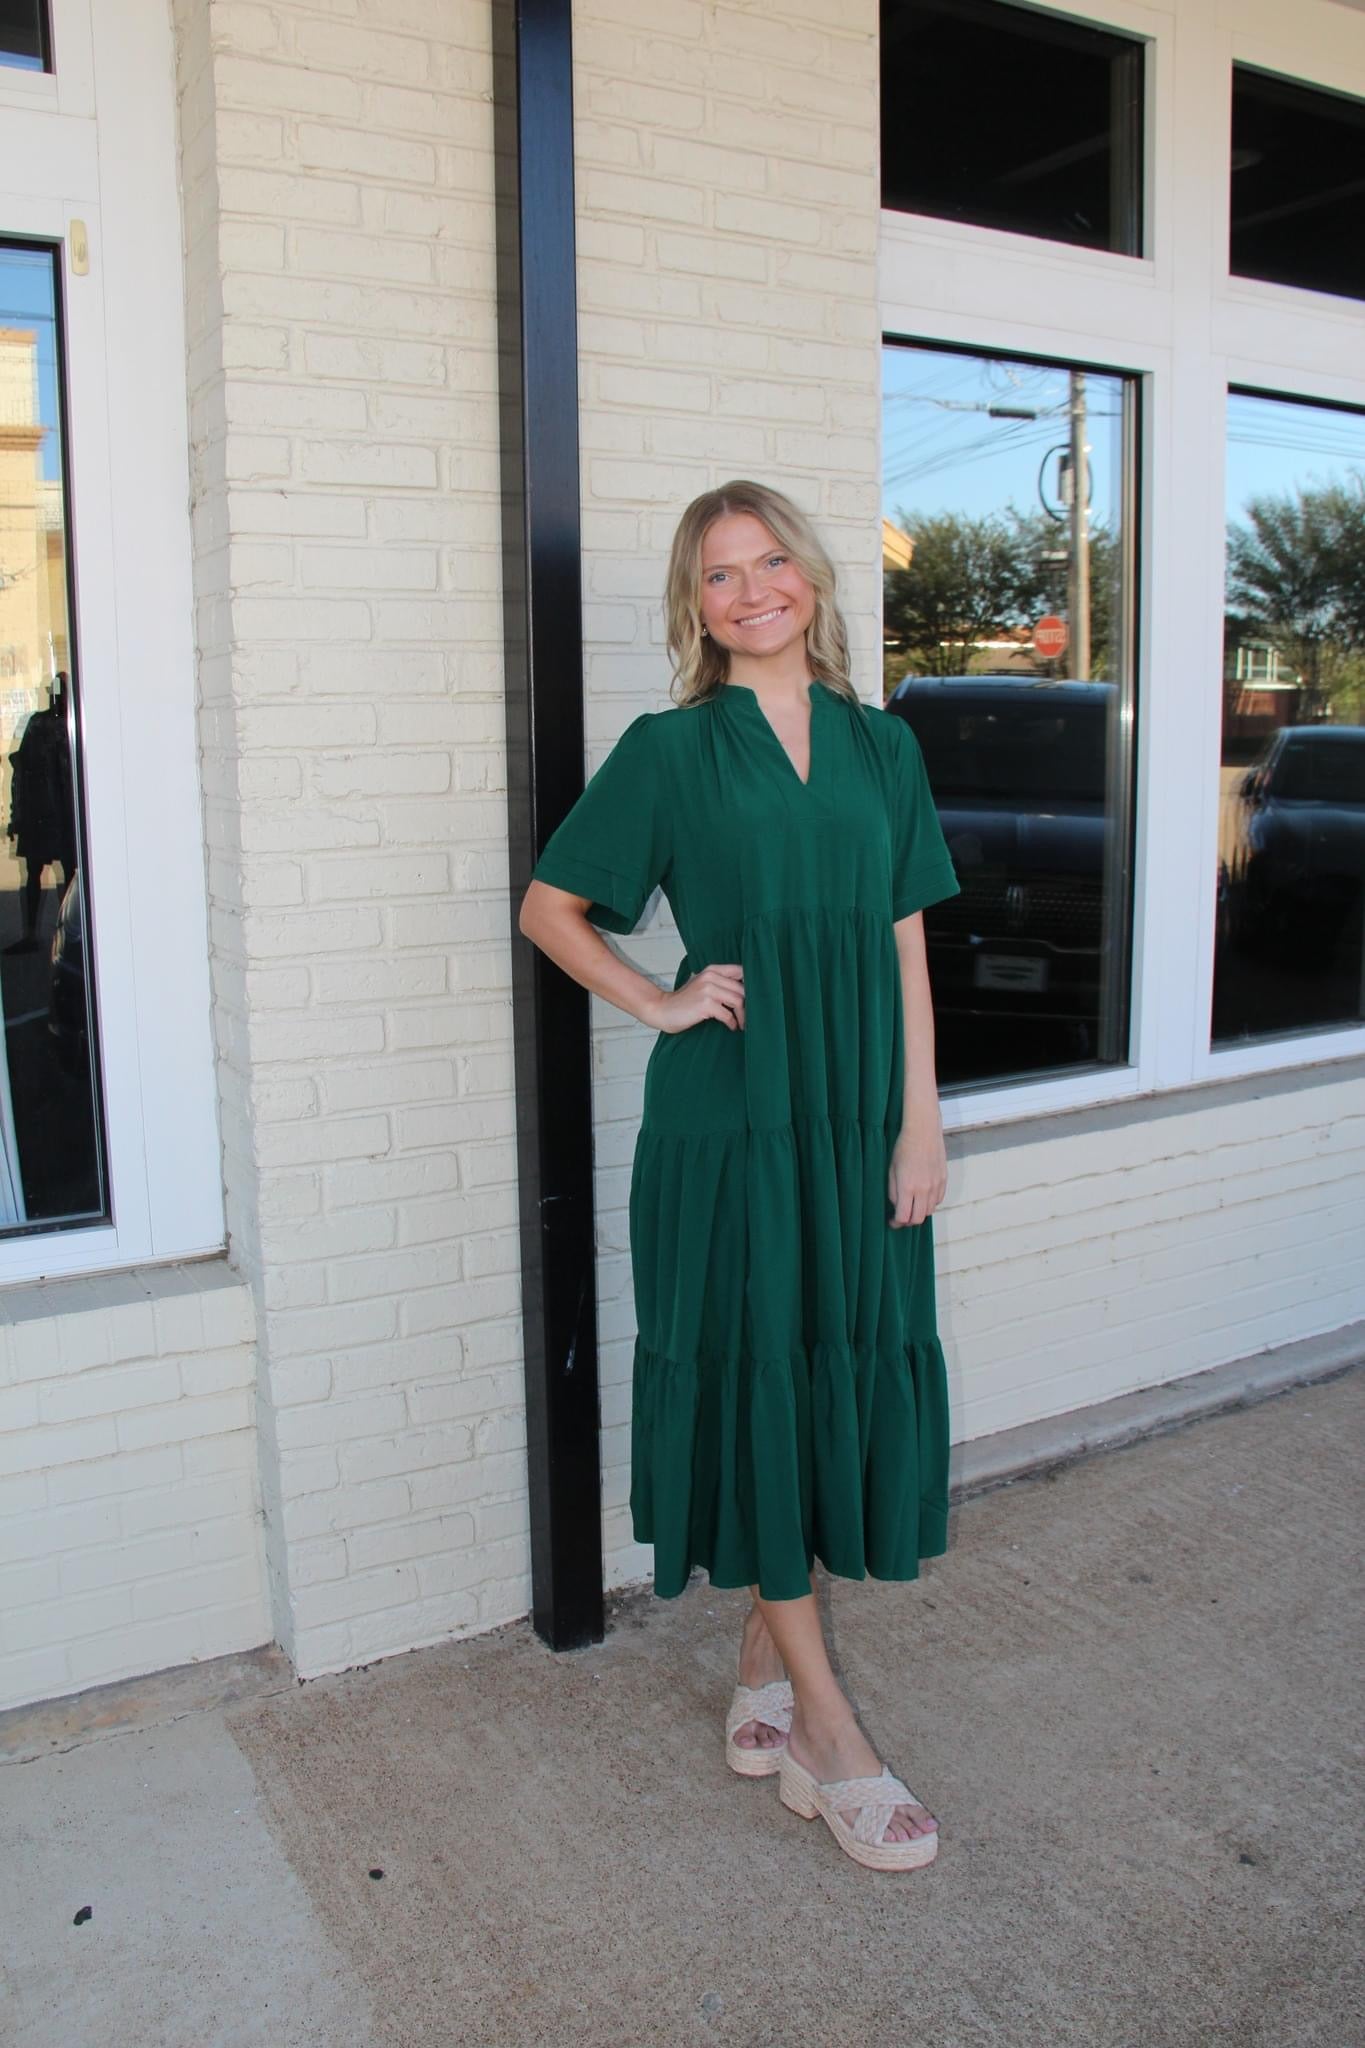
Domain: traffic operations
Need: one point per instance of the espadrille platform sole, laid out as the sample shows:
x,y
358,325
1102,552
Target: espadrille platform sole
x,y
872,1801
772,1705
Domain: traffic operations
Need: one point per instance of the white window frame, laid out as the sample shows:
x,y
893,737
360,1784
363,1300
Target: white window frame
x,y
1179,320
115,170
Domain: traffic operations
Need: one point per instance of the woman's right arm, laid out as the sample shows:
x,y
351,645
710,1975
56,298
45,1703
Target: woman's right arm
x,y
557,922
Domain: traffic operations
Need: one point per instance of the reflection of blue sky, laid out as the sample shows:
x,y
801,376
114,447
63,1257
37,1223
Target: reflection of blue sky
x,y
1275,447
942,451
26,301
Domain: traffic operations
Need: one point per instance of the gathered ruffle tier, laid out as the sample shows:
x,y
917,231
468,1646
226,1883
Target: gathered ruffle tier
x,y
790,1398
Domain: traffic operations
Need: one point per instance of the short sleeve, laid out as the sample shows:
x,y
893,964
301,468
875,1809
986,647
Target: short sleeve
x,y
922,868
614,845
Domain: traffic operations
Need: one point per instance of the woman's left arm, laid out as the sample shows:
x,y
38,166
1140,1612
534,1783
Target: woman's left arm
x,y
918,1179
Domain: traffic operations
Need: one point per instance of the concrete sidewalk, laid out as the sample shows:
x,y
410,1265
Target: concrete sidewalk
x,y
1131,1692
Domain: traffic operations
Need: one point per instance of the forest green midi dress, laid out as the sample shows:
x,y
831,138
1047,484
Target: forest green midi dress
x,y
790,1399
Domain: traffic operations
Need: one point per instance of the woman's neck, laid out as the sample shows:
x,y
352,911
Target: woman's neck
x,y
773,676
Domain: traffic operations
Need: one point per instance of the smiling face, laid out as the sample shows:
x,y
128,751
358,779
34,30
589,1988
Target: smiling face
x,y
754,599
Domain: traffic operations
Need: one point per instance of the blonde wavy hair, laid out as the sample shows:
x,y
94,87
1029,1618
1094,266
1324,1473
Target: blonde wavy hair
x,y
699,666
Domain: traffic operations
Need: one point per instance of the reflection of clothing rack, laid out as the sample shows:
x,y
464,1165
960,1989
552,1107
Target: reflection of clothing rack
x,y
42,819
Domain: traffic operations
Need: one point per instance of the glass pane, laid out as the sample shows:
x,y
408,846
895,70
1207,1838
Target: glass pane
x,y
50,1148
1291,831
1006,542
1010,118
24,36
1298,184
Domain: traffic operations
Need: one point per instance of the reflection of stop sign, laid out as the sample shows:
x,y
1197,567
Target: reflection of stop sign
x,y
1050,636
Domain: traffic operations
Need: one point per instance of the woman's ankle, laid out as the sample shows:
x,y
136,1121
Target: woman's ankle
x,y
816,1725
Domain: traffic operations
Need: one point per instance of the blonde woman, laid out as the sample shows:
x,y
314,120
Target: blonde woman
x,y
789,1389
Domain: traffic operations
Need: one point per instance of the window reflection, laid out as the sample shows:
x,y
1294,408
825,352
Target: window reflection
x,y
25,39
1294,211
50,1150
1291,842
1006,116
1008,650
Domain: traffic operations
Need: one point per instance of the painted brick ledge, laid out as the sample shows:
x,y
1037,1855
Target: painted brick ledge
x,y
990,1461
128,1292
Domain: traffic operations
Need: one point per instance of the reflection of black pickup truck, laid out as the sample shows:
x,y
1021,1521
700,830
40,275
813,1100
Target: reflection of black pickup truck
x,y
1018,774
1295,878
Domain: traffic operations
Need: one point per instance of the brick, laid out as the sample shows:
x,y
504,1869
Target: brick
x,y
365,154
255,405
319,252
206,1415
362,53
372,463
708,257
371,360
65,1622
108,1392
397,1542
35,1450
659,390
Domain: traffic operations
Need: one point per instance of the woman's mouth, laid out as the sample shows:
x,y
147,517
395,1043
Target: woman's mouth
x,y
763,618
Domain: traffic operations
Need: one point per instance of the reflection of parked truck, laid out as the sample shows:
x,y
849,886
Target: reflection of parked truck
x,y
1295,880
1018,769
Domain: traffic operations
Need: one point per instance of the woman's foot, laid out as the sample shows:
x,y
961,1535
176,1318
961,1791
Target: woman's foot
x,y
759,1664
838,1750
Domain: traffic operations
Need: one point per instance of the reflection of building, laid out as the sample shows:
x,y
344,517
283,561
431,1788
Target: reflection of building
x,y
25,590
1260,694
898,549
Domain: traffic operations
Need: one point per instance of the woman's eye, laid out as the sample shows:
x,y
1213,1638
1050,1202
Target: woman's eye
x,y
776,561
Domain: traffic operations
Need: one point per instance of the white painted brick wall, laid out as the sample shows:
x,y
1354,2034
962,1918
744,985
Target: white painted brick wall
x,y
338,212
340,247
130,1523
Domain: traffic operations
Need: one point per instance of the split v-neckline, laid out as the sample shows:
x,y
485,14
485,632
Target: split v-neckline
x,y
775,736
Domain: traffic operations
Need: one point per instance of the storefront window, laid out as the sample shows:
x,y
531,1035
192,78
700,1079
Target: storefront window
x,y
1007,535
1291,839
1007,117
50,1150
1297,186
25,39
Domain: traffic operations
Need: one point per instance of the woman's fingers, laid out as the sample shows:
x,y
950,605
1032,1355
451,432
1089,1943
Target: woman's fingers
x,y
913,1201
723,986
716,993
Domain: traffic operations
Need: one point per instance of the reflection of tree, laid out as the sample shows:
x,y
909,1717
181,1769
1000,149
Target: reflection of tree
x,y
1040,551
1296,578
976,579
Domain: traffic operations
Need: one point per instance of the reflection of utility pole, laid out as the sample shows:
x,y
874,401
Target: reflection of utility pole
x,y
1078,565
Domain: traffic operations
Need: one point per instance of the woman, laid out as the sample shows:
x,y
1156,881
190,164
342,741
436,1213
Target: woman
x,y
789,1389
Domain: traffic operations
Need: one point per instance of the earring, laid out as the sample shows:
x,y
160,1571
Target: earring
x,y
704,633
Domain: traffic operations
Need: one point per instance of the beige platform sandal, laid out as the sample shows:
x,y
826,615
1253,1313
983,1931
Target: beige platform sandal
x,y
872,1800
771,1704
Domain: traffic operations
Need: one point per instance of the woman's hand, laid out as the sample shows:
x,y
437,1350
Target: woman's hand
x,y
918,1179
716,992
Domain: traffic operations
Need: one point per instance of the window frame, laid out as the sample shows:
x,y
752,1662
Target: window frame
x,y
69,87
1177,319
132,605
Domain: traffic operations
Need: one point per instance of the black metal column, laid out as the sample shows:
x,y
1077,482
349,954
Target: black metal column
x,y
542,626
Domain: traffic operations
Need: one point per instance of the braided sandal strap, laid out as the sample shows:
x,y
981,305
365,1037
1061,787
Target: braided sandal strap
x,y
771,1704
872,1801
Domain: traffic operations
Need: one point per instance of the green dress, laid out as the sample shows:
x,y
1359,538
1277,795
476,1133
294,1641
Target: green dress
x,y
789,1398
